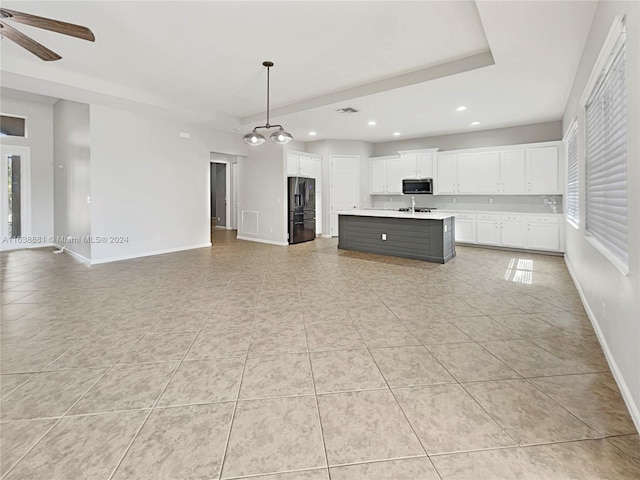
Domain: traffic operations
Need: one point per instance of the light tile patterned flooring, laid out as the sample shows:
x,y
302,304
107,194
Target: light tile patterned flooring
x,y
304,362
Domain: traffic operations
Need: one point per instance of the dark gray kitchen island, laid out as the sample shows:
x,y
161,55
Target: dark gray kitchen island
x,y
420,236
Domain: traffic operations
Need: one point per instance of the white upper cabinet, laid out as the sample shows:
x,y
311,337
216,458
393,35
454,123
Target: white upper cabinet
x,y
424,164
394,176
447,174
303,165
378,176
293,165
417,163
386,176
408,166
478,172
513,171
542,170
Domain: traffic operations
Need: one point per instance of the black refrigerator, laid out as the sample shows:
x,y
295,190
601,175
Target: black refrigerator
x,y
302,209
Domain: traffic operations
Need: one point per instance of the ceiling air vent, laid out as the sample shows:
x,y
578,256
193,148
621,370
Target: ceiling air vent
x,y
347,110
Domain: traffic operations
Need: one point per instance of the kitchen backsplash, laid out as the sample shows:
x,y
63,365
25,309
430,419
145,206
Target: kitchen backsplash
x,y
481,203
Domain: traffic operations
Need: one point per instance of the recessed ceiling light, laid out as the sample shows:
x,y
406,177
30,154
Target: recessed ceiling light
x,y
313,134
371,123
461,108
473,124
395,134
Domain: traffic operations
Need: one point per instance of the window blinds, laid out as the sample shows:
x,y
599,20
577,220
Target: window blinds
x,y
606,184
572,176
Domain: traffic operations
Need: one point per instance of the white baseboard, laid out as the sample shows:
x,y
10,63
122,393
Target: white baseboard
x,y
75,255
262,240
326,236
148,254
634,409
26,246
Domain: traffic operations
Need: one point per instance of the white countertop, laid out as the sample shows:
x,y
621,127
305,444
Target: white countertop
x,y
395,214
498,212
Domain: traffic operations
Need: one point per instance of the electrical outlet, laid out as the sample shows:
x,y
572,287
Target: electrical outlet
x,y
490,199
384,236
453,200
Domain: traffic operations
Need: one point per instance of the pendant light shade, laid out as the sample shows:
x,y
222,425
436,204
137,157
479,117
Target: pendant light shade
x,y
254,139
280,136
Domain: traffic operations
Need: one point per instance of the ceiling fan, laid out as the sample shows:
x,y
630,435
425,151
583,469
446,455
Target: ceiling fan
x,y
30,44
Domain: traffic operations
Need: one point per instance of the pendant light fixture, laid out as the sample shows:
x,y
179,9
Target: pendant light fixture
x,y
279,136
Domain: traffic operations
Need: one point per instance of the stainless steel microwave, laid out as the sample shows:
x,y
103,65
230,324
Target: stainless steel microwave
x,y
416,186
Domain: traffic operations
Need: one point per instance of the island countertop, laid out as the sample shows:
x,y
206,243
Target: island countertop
x,y
396,214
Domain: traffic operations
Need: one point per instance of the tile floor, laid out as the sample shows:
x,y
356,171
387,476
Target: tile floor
x,y
304,362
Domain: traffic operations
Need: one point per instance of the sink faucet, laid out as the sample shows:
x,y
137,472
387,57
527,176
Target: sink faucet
x,y
413,204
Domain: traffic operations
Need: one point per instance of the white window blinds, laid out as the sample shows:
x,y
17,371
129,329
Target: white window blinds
x,y
572,175
606,173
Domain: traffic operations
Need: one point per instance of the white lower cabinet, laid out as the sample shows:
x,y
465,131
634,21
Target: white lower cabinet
x,y
513,231
466,227
543,232
488,229
533,232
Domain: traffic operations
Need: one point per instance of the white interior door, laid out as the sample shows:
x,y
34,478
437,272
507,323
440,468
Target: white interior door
x,y
344,186
15,204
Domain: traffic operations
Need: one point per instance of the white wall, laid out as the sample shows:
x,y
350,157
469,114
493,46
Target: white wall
x,y
598,280
328,148
539,132
262,188
72,176
150,185
40,142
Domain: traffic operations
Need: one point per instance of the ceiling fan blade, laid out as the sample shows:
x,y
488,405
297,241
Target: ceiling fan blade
x,y
65,28
28,43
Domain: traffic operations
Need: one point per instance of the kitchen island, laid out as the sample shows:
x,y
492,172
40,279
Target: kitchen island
x,y
421,236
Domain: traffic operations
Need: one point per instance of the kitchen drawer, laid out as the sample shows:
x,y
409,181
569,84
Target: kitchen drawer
x,y
489,216
543,219
466,216
513,218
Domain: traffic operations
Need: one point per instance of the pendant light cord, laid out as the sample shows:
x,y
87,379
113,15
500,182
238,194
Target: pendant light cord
x,y
268,69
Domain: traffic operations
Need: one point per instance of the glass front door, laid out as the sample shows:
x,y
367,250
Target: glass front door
x,y
14,203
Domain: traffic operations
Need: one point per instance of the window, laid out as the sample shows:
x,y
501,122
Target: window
x,y
606,151
12,126
571,142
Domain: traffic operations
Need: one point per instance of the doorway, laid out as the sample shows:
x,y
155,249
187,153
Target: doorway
x,y
223,188
15,204
218,173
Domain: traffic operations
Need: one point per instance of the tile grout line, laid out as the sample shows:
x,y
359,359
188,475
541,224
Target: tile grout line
x,y
64,415
315,396
151,410
457,382
237,400
402,410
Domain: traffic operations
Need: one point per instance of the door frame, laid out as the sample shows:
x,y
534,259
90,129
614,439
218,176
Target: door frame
x,y
227,196
332,221
25,198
